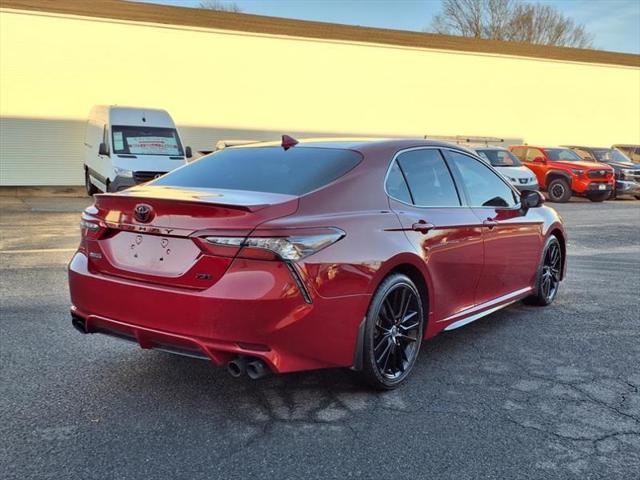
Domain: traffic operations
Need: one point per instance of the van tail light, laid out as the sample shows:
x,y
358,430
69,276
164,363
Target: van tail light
x,y
288,245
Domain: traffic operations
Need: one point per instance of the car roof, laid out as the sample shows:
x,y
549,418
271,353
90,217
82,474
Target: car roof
x,y
361,144
539,147
587,148
488,147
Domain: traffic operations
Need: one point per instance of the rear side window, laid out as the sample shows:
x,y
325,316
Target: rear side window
x,y
519,152
429,179
396,185
484,188
296,171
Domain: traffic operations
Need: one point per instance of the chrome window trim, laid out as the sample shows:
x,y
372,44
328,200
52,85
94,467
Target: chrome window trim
x,y
411,149
517,206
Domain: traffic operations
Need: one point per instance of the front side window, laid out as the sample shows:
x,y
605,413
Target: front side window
x,y
296,171
429,179
484,188
146,141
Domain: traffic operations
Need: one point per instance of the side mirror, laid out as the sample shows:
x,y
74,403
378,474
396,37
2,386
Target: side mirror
x,y
531,199
103,150
187,152
539,160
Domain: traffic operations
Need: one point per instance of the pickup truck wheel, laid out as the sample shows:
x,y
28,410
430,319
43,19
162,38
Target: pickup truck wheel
x,y
598,197
559,190
90,187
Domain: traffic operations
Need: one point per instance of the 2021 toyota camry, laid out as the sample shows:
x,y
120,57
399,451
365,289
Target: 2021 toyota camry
x,y
329,253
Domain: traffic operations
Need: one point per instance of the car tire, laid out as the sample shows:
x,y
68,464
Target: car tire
x,y
559,190
394,327
599,197
89,187
637,197
549,274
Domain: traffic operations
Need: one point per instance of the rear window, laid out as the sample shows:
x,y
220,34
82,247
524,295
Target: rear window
x,y
265,169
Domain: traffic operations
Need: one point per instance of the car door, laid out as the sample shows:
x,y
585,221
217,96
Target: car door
x,y
446,234
512,237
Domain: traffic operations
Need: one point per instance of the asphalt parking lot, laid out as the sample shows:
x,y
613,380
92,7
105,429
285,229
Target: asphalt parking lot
x,y
524,393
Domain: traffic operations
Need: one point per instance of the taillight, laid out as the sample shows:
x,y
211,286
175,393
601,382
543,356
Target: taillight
x,y
289,245
91,229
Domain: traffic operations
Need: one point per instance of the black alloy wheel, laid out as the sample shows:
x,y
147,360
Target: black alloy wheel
x,y
393,332
559,190
549,275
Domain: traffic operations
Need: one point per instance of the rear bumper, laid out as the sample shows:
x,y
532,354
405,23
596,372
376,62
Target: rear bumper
x,y
256,309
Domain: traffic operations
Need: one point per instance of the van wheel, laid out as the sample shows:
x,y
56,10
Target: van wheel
x,y
559,190
393,333
90,187
598,197
549,272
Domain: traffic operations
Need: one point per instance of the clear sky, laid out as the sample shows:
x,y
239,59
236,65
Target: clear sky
x,y
614,23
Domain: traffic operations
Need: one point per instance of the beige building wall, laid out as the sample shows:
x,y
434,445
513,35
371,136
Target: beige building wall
x,y
217,84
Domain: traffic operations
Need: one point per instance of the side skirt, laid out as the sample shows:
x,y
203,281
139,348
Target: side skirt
x,y
491,306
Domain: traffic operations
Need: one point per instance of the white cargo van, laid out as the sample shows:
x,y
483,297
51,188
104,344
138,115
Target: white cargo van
x,y
125,146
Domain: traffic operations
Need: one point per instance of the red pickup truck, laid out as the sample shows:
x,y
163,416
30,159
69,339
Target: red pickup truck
x,y
562,173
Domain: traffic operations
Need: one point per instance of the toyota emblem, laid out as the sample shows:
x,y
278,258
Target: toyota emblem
x,y
143,213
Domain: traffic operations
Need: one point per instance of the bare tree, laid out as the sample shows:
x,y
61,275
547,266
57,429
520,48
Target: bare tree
x,y
220,6
510,20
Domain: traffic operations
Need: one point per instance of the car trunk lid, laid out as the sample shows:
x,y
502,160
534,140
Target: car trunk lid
x,y
153,233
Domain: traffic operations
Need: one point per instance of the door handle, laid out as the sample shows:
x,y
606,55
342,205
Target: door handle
x,y
490,224
422,226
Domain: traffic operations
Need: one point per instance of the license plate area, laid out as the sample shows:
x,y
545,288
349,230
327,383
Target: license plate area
x,y
602,187
151,254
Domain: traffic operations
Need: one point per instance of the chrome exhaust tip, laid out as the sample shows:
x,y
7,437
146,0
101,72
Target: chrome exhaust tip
x,y
237,367
257,369
79,324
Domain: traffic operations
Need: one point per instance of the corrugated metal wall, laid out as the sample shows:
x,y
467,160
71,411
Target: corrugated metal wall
x,y
41,151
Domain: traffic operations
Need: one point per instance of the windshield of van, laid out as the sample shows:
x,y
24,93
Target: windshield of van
x,y
146,141
499,158
296,171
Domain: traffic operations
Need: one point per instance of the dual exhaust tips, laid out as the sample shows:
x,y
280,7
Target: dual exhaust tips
x,y
254,368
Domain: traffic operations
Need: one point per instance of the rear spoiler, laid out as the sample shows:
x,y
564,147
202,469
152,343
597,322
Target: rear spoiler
x,y
235,199
474,140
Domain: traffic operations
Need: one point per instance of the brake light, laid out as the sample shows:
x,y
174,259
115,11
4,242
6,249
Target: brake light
x,y
290,245
91,229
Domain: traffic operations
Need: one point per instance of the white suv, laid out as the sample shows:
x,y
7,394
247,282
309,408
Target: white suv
x,y
508,165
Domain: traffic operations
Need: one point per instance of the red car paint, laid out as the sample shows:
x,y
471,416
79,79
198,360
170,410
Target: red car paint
x,y
538,160
159,284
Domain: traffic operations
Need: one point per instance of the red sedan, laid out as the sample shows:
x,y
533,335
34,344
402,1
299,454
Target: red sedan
x,y
298,256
